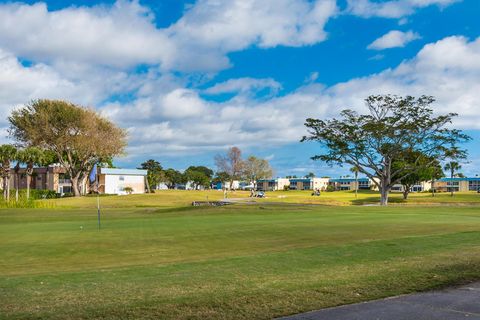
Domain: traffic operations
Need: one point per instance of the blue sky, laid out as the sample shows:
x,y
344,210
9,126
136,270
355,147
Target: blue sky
x,y
188,79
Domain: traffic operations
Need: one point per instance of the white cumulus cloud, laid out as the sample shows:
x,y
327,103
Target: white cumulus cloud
x,y
125,35
448,69
244,86
393,39
391,8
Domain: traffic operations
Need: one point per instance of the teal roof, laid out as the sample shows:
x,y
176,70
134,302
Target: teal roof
x,y
349,180
459,179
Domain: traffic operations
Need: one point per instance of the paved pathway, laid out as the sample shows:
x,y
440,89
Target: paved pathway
x,y
450,304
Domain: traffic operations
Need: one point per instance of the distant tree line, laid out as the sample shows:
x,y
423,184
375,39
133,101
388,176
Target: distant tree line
x,y
230,167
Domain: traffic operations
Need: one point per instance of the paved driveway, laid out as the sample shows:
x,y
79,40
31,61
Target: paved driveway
x,y
449,304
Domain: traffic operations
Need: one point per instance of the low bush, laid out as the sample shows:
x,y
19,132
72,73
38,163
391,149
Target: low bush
x,y
24,203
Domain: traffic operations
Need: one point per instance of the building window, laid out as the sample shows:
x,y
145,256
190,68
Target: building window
x,y
474,185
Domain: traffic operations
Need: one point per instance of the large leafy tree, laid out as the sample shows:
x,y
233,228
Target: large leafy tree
x,y
199,176
415,168
173,177
78,136
231,163
8,153
154,173
255,168
221,177
373,141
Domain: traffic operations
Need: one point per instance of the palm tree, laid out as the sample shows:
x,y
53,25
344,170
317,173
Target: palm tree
x,y
8,154
31,156
453,167
16,169
355,170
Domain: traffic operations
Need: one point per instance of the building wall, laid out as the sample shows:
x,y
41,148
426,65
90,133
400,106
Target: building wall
x,y
235,185
282,183
418,187
115,184
321,183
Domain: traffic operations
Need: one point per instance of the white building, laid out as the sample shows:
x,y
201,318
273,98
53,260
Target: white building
x,y
114,181
273,184
417,187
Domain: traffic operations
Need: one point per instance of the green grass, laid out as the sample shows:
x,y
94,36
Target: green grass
x,y
160,199
178,198
156,257
371,197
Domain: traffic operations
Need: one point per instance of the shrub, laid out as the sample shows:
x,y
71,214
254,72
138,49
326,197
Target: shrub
x,y
286,188
330,188
128,190
42,194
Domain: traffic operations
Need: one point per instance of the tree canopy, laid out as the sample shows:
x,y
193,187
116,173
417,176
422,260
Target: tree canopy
x,y
230,163
8,154
414,167
155,173
78,136
255,168
199,176
373,141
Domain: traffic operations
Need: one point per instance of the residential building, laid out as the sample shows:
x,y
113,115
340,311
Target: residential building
x,y
53,177
114,181
272,184
457,184
352,184
418,187
226,185
309,183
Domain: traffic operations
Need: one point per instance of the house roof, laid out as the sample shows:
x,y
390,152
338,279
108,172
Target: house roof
x,y
349,180
123,172
458,179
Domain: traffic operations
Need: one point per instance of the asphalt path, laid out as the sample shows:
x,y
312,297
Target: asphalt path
x,y
449,304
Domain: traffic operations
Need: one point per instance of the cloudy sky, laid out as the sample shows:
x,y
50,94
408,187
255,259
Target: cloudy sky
x,y
188,79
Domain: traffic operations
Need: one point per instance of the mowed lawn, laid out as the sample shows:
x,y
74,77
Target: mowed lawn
x,y
157,258
179,198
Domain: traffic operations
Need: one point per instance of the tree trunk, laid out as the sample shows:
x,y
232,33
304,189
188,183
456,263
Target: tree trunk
x,y
4,188
451,188
8,188
148,184
83,185
356,185
383,196
405,194
76,191
29,180
384,190
16,186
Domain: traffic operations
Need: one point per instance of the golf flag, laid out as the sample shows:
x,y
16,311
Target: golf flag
x,y
93,174
93,178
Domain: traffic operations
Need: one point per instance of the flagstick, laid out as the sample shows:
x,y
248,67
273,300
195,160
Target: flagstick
x,y
98,205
